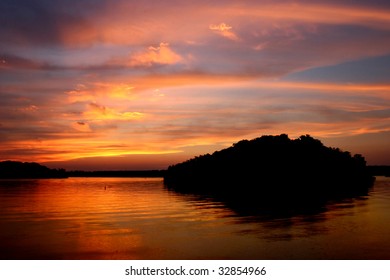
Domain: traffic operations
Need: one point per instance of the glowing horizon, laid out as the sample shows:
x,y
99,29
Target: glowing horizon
x,y
143,84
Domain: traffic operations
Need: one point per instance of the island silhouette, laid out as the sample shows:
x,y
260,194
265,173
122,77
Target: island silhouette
x,y
269,167
28,170
263,178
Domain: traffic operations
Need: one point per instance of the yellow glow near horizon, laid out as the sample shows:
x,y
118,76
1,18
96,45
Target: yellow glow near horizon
x,y
172,80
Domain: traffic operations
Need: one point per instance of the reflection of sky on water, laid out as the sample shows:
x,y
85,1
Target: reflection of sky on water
x,y
278,222
122,218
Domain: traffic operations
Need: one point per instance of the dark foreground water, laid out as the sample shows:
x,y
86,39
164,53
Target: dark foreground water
x,y
128,218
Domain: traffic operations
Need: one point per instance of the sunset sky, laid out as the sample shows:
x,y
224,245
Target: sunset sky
x,y
122,84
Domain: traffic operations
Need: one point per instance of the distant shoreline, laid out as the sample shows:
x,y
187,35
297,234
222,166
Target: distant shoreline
x,y
118,174
375,170
21,170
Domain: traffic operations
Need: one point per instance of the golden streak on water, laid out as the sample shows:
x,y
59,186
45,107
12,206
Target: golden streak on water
x,y
137,218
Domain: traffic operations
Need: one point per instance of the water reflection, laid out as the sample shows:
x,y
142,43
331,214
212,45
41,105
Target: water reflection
x,y
9,186
119,218
282,218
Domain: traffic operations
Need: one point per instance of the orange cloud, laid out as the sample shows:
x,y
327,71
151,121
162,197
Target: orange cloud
x,y
162,54
315,13
113,24
100,91
100,112
224,30
379,90
221,95
81,126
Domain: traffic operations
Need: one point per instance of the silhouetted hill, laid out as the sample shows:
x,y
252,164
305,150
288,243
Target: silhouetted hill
x,y
22,170
273,166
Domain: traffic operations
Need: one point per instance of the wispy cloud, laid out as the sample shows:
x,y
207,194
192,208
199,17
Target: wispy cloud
x,y
98,91
96,112
224,30
81,126
162,54
92,78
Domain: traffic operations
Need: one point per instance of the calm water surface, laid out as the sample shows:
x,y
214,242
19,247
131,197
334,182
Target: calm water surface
x,y
137,218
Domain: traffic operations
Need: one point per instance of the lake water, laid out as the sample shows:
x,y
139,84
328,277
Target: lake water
x,y
137,218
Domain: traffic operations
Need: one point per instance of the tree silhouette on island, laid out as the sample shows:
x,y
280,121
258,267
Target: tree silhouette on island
x,y
273,166
28,170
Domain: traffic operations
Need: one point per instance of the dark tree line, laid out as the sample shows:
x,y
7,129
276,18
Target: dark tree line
x,y
30,170
272,165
